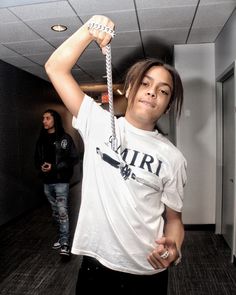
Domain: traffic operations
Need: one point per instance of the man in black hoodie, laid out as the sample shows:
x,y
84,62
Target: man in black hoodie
x,y
55,157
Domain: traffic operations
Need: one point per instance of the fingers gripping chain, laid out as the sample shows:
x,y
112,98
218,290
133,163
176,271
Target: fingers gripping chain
x,y
102,28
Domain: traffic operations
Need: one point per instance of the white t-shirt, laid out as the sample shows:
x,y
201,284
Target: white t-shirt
x,y
124,192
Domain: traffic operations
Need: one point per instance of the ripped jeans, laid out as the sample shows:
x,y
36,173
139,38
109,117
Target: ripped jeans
x,y
57,195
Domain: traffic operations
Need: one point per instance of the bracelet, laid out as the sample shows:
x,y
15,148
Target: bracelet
x,y
178,260
102,28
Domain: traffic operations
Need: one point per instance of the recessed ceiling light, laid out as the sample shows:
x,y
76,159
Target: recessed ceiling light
x,y
120,92
59,28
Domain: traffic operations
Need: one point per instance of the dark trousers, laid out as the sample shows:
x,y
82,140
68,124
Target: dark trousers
x,y
93,276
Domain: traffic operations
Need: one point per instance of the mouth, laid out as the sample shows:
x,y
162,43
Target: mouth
x,y
148,103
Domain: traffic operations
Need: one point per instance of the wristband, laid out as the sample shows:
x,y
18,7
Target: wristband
x,y
178,260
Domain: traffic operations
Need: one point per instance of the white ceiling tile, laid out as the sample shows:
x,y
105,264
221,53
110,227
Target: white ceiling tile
x,y
95,70
212,15
151,30
39,58
99,66
56,42
164,3
19,61
16,32
5,52
153,19
170,36
216,1
9,3
43,27
29,47
91,55
203,35
101,7
43,10
7,17
119,55
131,38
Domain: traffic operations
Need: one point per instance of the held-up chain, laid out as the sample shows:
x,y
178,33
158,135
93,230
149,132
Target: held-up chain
x,y
105,29
110,96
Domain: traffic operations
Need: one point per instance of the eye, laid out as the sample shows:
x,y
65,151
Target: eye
x,y
164,92
144,83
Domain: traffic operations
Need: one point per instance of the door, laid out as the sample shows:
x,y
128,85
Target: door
x,y
228,160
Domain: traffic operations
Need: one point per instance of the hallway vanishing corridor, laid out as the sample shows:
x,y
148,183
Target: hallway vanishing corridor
x,y
29,265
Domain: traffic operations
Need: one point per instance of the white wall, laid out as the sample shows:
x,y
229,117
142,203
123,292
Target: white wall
x,y
225,55
196,130
225,46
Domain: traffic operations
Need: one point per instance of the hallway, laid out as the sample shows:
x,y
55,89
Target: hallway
x,y
27,262
29,265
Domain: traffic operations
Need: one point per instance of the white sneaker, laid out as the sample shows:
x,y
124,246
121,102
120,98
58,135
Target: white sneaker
x,y
56,245
65,250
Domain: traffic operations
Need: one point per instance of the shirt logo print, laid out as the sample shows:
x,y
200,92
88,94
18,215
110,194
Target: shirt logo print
x,y
64,144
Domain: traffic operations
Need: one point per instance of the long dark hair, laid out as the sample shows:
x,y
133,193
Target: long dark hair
x,y
59,129
137,72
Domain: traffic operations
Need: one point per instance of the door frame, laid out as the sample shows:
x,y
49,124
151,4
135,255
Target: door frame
x,y
219,152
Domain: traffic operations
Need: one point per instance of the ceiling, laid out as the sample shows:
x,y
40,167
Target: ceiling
x,y
144,28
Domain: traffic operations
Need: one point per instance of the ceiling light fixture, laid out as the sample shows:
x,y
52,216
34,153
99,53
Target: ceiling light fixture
x,y
120,92
59,28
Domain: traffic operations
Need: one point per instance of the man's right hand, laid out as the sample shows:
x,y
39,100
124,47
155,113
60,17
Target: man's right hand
x,y
46,167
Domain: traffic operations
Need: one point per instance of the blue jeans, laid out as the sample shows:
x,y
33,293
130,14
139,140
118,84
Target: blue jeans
x,y
57,195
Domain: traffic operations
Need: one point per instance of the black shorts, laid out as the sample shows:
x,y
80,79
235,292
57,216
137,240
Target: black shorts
x,y
93,276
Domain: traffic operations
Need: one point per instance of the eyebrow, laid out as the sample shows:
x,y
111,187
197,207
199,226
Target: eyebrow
x,y
161,83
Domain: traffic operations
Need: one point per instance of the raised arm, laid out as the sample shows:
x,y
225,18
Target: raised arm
x,y
61,62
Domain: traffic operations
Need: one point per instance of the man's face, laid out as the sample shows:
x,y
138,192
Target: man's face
x,y
151,100
48,122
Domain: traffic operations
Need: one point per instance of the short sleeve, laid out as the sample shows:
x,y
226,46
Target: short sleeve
x,y
173,191
90,117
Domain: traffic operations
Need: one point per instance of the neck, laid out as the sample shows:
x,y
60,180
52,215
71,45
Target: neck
x,y
51,130
141,124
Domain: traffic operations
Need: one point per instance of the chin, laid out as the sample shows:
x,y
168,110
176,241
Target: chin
x,y
147,115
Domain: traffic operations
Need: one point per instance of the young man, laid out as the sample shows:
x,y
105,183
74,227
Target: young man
x,y
129,229
55,157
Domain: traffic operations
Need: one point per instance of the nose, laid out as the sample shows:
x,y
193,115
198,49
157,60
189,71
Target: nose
x,y
151,93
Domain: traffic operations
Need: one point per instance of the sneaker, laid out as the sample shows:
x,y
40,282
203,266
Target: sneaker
x,y
56,245
65,250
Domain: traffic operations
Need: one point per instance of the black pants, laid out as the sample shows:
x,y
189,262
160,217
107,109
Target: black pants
x,y
93,276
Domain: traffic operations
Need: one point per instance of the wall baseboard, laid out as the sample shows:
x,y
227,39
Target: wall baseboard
x,y
200,227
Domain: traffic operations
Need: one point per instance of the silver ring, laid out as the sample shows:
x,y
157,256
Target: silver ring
x,y
165,255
